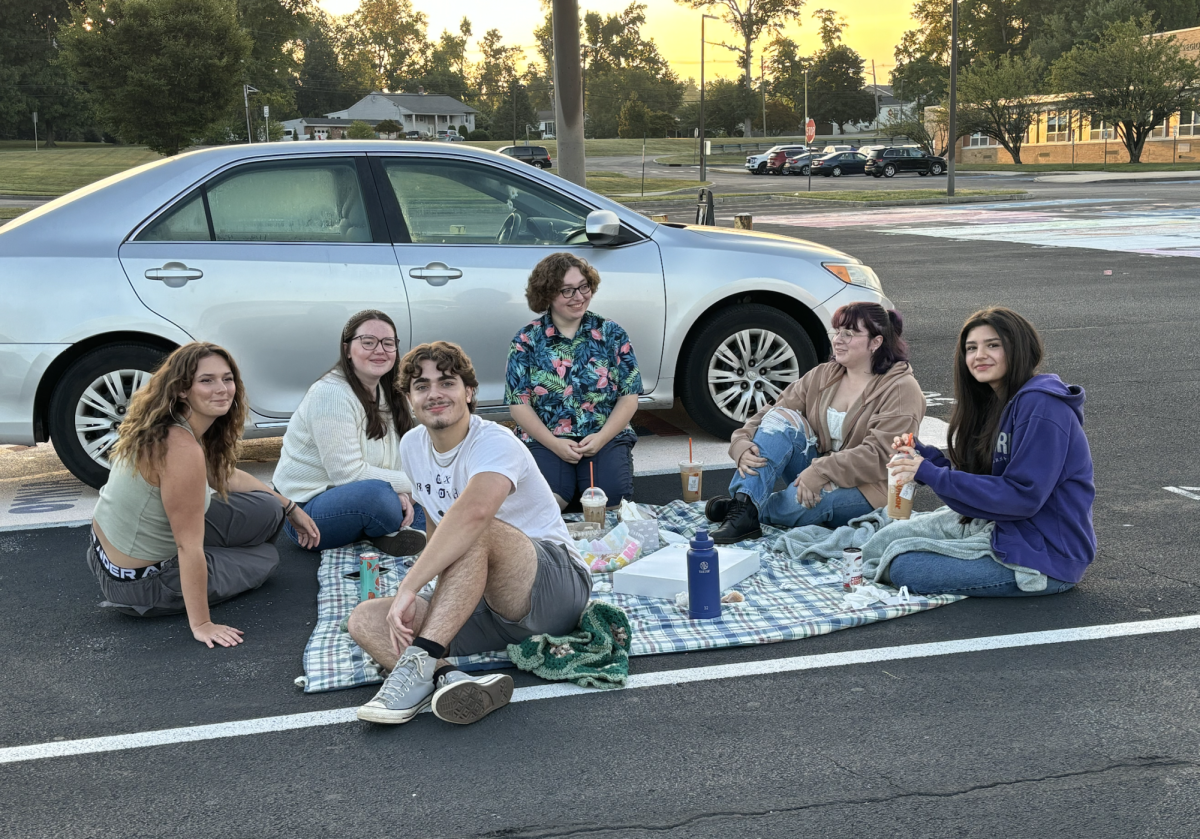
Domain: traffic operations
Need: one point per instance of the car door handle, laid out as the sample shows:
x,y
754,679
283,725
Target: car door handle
x,y
435,273
174,274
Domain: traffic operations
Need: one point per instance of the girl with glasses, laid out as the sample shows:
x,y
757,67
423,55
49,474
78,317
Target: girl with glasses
x,y
341,451
828,435
572,384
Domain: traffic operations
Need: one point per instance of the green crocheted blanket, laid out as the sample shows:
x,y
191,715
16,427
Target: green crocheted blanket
x,y
596,655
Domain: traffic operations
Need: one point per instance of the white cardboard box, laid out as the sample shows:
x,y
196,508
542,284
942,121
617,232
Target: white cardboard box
x,y
664,573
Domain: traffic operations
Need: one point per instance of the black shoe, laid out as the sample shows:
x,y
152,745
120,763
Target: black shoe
x,y
405,542
741,522
717,508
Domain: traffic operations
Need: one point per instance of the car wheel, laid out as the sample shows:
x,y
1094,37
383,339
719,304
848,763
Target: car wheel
x,y
877,174
806,170
762,167
935,169
837,171
889,171
739,362
90,402
922,174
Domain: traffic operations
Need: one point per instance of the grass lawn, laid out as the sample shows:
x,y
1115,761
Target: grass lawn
x,y
689,159
7,213
24,171
614,183
897,194
1078,167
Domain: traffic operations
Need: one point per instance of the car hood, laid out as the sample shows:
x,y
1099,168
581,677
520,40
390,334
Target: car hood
x,y
761,242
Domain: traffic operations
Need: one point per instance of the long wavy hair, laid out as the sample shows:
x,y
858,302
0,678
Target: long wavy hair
x,y
975,419
396,402
159,405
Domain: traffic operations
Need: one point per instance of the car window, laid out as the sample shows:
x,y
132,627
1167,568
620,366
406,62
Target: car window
x,y
915,153
278,201
446,201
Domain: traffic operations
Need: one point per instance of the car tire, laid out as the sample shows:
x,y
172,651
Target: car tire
x,y
83,430
762,168
877,174
837,171
807,170
935,168
923,174
889,171
708,375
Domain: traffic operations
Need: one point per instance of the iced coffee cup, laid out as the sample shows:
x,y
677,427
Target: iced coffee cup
x,y
691,473
899,496
594,502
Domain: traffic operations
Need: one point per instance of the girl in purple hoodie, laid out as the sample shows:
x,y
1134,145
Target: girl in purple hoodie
x,y
1019,458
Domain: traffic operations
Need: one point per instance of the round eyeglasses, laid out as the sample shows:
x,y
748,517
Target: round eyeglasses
x,y
370,342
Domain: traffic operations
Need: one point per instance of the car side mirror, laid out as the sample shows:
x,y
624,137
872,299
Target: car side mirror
x,y
603,227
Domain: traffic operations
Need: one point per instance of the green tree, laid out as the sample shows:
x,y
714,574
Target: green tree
x,y
1128,80
159,70
32,75
359,130
728,105
830,28
781,117
999,98
322,87
634,120
609,90
922,68
836,92
785,71
388,127
444,70
383,44
512,113
751,19
917,130
494,76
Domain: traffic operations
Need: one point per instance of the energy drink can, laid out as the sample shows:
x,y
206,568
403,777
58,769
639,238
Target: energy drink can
x,y
369,584
852,568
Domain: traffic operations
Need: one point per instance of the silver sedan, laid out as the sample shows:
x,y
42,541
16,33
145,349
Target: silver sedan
x,y
268,249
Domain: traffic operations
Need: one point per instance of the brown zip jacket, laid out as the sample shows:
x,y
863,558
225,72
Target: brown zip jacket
x,y
891,405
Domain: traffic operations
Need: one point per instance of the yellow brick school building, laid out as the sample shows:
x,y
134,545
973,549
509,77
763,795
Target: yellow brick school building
x,y
1060,135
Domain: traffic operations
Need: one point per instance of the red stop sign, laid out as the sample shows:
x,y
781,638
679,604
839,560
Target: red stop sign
x,y
810,131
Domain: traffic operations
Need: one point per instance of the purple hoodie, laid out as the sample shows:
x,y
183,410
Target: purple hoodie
x,y
1040,492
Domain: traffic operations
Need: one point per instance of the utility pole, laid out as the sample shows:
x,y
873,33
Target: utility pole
x,y
568,92
952,140
703,147
762,69
246,91
875,88
35,147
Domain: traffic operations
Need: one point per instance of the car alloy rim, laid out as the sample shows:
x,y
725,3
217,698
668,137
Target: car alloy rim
x,y
748,370
102,408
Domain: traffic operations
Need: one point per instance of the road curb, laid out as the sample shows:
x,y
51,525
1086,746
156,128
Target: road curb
x,y
817,202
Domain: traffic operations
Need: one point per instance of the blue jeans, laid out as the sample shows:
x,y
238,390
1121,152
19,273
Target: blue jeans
x,y
781,440
930,573
351,512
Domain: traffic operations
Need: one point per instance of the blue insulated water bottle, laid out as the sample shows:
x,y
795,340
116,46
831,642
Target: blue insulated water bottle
x,y
704,578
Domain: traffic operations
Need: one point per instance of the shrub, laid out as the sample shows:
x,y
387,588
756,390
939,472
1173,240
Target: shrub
x,y
479,134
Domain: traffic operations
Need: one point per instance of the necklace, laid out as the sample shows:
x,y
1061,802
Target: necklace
x,y
445,459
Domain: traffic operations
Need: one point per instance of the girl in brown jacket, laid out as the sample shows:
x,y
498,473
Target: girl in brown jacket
x,y
829,434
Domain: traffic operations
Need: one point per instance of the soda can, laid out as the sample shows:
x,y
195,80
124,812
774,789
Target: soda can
x,y
369,584
852,568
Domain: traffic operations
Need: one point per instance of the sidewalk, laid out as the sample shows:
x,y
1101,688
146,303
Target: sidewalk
x,y
1097,177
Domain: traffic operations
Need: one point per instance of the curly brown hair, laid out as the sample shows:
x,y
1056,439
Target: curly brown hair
x,y
545,282
449,358
158,406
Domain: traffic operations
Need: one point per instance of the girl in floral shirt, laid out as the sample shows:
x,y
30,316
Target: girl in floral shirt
x,y
573,383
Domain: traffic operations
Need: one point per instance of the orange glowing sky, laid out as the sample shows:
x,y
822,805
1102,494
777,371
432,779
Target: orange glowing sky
x,y
874,28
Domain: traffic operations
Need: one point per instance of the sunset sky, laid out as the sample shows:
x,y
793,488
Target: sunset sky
x,y
874,28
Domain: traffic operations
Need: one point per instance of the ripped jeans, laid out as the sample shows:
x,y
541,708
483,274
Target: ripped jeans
x,y
789,445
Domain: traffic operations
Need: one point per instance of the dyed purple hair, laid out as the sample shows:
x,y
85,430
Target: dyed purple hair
x,y
876,320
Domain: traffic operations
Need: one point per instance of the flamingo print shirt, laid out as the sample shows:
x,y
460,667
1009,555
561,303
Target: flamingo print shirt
x,y
572,384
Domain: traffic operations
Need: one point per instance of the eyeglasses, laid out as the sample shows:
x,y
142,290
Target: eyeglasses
x,y
569,292
370,342
846,335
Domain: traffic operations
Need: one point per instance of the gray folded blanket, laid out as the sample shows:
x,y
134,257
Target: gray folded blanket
x,y
882,540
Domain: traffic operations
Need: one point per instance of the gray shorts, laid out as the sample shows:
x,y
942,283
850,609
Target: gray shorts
x,y
561,590
238,544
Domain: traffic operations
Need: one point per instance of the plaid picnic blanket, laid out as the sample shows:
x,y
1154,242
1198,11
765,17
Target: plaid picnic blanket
x,y
785,601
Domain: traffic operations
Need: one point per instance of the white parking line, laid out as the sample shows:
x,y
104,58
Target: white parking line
x,y
266,725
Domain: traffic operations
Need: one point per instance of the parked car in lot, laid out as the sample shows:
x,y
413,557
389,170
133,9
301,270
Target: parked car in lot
x,y
798,165
268,248
836,148
839,163
896,160
758,164
533,155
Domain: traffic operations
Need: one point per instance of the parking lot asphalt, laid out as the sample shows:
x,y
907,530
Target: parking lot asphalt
x,y
1080,737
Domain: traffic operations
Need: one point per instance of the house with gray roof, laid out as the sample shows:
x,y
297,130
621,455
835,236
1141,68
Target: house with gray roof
x,y
428,113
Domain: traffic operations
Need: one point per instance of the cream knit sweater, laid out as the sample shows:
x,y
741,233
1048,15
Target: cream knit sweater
x,y
326,444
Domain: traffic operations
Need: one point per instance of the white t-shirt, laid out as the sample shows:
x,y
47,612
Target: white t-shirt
x,y
438,479
834,420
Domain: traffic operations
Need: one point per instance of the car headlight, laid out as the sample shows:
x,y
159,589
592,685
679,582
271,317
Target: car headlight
x,y
854,274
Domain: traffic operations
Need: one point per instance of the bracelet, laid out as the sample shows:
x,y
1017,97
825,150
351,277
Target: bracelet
x,y
287,511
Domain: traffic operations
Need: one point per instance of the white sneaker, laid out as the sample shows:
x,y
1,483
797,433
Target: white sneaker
x,y
405,693
462,699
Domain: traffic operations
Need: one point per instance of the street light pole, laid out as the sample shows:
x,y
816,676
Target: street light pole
x,y
703,149
952,140
246,91
762,69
